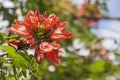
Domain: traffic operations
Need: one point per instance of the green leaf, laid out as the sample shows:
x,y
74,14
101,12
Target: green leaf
x,y
13,36
9,50
10,78
21,61
1,38
25,56
5,36
98,66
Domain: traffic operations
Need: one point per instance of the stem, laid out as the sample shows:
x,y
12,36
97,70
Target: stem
x,y
15,72
3,55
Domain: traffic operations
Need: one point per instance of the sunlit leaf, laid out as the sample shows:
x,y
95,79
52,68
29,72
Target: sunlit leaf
x,y
10,78
10,50
97,66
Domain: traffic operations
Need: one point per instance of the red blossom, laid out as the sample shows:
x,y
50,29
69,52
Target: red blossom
x,y
32,19
59,34
49,21
52,56
61,25
40,33
50,51
19,28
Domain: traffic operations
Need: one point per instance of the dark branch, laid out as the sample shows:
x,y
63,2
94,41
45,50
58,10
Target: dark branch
x,y
95,17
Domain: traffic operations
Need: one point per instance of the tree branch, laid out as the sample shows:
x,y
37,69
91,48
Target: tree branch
x,y
95,17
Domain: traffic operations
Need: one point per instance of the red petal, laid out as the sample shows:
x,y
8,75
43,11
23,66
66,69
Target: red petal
x,y
29,39
50,51
19,28
57,35
46,47
38,55
32,19
61,25
52,56
49,21
55,46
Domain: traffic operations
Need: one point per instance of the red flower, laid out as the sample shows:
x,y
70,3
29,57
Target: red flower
x,y
49,21
29,39
59,34
61,25
19,28
40,33
32,19
50,51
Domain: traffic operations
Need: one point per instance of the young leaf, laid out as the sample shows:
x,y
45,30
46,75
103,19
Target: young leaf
x,y
10,50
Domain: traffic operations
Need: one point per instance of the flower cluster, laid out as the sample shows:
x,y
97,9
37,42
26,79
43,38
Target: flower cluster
x,y
42,33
